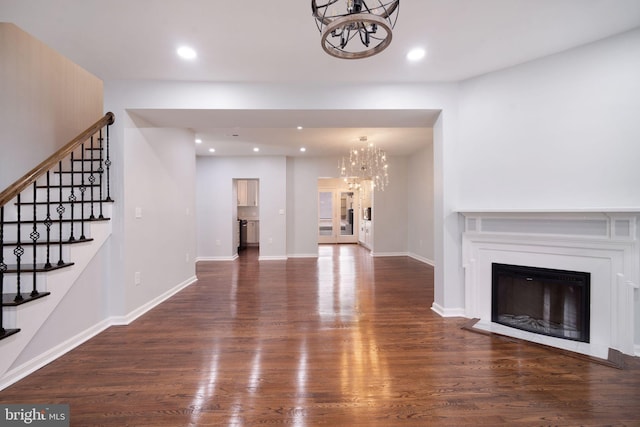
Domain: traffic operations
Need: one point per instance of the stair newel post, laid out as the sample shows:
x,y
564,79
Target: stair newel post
x,y
100,171
72,201
3,267
108,164
47,222
60,209
92,179
18,252
35,235
83,188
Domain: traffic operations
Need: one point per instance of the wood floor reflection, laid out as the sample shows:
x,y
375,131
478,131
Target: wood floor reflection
x,y
341,340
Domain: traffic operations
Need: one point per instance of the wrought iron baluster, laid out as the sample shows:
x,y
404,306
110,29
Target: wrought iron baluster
x,y
72,200
83,188
3,267
108,164
100,171
60,211
18,251
48,222
35,235
92,179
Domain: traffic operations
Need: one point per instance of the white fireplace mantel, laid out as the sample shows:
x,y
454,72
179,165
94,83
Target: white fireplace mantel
x,y
604,243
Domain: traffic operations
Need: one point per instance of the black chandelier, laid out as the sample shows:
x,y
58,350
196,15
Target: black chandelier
x,y
353,29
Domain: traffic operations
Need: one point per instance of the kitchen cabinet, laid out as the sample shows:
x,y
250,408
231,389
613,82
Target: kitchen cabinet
x,y
365,236
247,190
236,235
253,232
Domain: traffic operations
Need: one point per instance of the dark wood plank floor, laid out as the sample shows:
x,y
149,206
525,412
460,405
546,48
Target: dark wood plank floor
x,y
342,340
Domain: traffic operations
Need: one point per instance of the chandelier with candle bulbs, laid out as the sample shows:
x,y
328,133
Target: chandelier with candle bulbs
x,y
366,163
353,29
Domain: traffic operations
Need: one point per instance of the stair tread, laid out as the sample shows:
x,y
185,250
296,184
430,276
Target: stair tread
x,y
64,202
89,172
8,332
8,300
68,186
52,242
40,267
57,221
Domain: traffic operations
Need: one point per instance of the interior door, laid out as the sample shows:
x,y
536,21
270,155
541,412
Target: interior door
x,y
337,221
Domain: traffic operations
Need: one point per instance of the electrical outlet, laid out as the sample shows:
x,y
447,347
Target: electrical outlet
x,y
218,242
186,257
137,279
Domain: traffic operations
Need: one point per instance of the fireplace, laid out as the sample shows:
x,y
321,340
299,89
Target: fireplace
x,y
597,253
541,300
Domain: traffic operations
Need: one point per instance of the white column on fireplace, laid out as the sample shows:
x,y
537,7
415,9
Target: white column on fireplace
x,y
604,244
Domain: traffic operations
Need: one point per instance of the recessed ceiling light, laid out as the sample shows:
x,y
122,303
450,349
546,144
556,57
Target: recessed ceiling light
x,y
256,149
303,149
212,150
299,127
416,54
198,141
185,52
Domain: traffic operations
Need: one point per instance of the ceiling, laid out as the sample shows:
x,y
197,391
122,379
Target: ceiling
x,y
275,132
277,41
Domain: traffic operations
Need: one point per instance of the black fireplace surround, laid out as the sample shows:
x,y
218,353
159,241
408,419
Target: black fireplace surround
x,y
541,300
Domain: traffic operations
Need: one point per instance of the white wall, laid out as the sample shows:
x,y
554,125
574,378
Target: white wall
x,y
390,211
159,181
302,221
420,217
87,300
216,204
389,207
46,100
562,132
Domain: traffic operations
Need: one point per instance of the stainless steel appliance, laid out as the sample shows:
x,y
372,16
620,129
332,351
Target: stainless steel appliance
x,y
243,234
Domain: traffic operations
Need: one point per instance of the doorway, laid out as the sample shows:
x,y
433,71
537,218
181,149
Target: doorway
x,y
337,215
247,220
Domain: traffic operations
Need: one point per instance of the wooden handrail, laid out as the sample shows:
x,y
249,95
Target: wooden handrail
x,y
20,185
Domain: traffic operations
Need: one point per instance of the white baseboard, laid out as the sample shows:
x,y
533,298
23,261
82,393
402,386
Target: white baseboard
x,y
302,255
384,254
125,320
14,375
217,258
272,258
422,259
447,312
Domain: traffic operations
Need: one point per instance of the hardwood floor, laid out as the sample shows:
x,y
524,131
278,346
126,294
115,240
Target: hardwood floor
x,y
342,340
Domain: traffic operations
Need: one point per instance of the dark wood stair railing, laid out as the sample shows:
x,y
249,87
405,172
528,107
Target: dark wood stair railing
x,y
65,208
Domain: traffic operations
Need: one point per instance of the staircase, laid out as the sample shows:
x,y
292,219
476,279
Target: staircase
x,y
52,221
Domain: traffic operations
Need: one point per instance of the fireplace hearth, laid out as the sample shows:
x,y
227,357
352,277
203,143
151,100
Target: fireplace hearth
x,y
541,300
